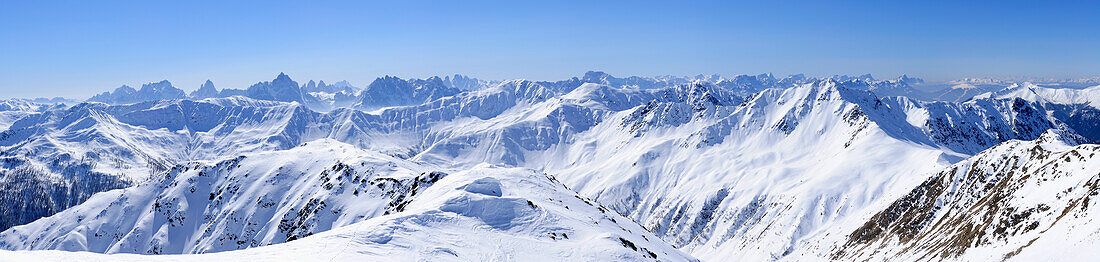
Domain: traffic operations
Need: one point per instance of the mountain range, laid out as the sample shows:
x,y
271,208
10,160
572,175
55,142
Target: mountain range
x,y
588,168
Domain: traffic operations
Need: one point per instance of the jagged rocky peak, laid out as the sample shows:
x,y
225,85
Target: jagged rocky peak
x,y
125,90
310,86
910,80
282,88
159,86
433,82
322,87
393,91
596,77
149,92
206,90
699,92
843,78
463,82
343,84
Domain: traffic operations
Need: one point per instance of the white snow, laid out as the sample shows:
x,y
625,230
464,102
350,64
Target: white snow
x,y
753,167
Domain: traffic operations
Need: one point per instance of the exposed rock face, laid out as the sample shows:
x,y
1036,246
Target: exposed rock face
x,y
998,202
392,91
207,90
149,92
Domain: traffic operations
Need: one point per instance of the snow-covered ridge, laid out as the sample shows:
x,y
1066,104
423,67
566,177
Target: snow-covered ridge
x,y
385,207
247,201
714,173
1019,200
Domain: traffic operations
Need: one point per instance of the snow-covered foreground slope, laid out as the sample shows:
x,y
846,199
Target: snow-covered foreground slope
x,y
1021,200
378,207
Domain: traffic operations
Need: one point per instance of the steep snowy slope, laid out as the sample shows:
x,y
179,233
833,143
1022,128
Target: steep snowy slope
x,y
745,180
388,208
57,158
1023,200
756,179
246,201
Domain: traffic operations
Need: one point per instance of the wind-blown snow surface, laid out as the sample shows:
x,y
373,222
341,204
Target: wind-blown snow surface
x,y
389,208
713,170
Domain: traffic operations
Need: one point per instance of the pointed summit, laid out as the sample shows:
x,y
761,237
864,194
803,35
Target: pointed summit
x,y
393,91
910,80
207,90
310,86
125,89
282,88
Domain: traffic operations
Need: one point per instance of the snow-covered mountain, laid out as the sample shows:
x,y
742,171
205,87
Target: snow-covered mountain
x,y
207,90
1078,108
717,179
318,97
320,86
148,92
755,167
1021,200
282,89
388,207
465,82
393,91
1032,92
12,110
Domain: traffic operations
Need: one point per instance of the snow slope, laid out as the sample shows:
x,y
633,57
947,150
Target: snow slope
x,y
377,206
758,178
714,173
1021,200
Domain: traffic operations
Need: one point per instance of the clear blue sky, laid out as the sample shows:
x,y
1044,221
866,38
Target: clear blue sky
x,y
79,48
